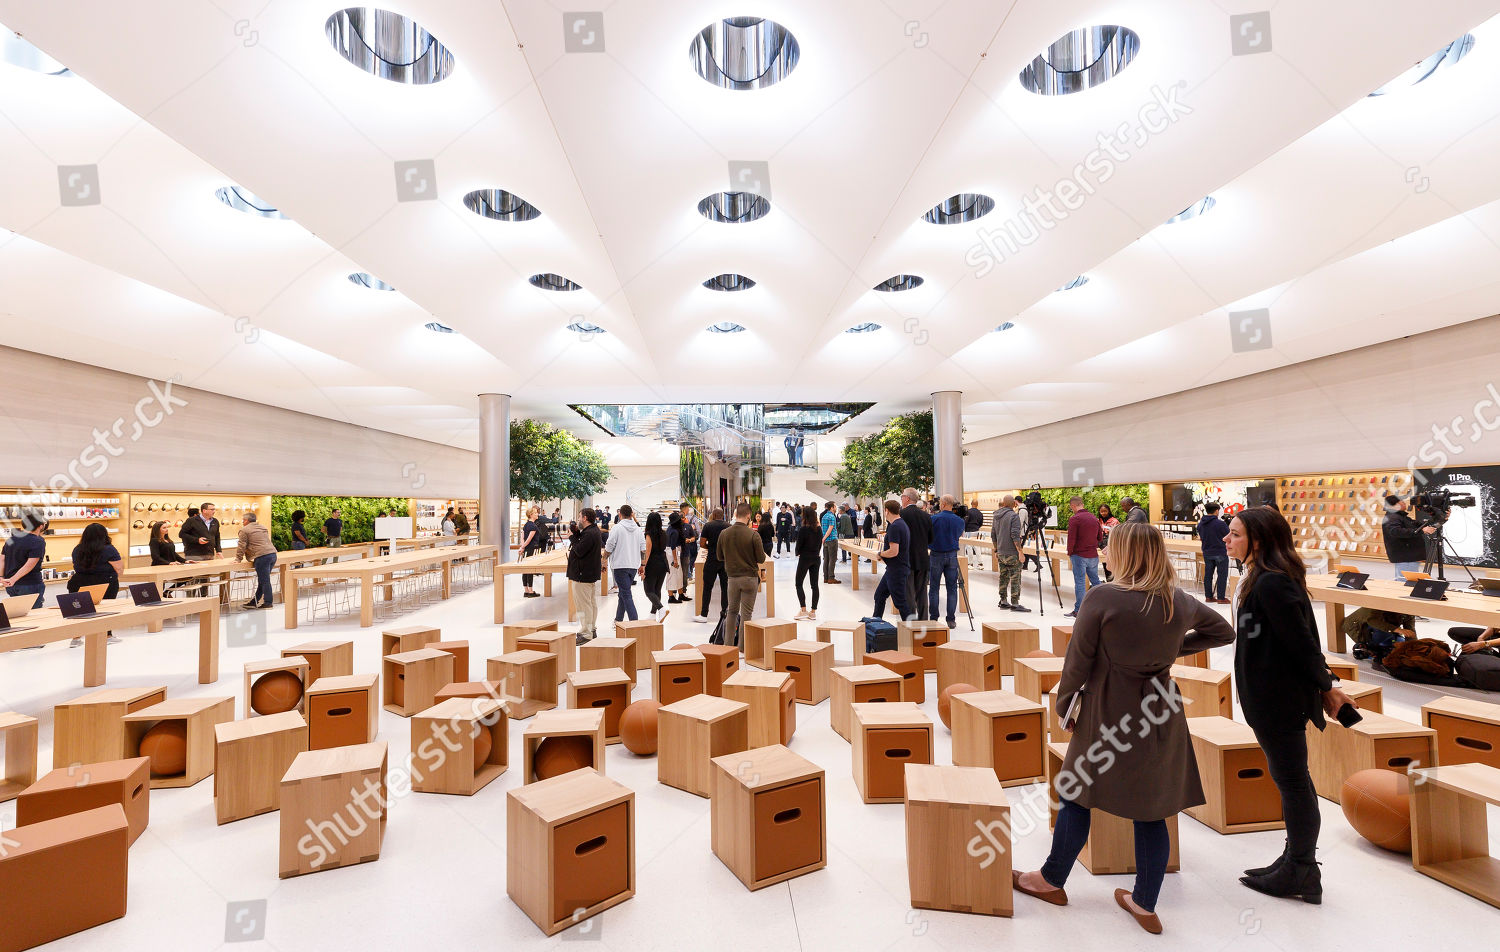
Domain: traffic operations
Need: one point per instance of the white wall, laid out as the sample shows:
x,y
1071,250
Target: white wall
x,y
1367,409
627,478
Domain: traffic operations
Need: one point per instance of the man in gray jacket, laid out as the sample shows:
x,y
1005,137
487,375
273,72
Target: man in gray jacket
x,y
1005,533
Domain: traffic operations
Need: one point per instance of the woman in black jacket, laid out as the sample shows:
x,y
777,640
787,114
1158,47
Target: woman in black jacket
x,y
163,549
809,550
654,566
1283,682
767,533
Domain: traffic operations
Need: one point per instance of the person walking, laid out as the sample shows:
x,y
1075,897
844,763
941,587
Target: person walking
x,y
584,546
809,546
625,547
919,524
1283,683
533,542
1118,669
333,529
1211,532
654,567
1084,534
897,558
947,529
96,562
254,546
742,552
1005,535
829,523
713,566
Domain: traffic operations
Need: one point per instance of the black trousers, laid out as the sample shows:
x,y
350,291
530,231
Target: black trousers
x,y
807,567
656,573
713,570
1286,755
916,592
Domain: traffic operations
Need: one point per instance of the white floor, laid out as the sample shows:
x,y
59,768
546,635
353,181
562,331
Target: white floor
x,y
440,880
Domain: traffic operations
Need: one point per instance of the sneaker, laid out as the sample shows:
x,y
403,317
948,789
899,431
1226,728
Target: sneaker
x,y
952,625
1018,607
812,616
1071,615
801,614
75,643
34,647
581,640
1004,606
113,640
701,619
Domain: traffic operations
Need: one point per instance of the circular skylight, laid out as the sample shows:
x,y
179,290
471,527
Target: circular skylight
x,y
729,282
734,207
1200,207
388,45
367,280
497,204
1077,282
580,326
437,328
901,282
243,200
553,282
744,53
864,328
725,327
957,209
18,52
1442,59
1005,327
1081,59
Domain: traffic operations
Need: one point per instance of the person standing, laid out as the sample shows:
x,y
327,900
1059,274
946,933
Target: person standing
x,y
947,529
1107,521
846,529
676,581
584,546
692,531
765,530
1133,513
1404,538
790,444
333,529
299,530
1005,534
1084,534
654,568
713,566
450,528
163,550
254,546
96,562
533,541
1283,683
1120,660
897,558
869,521
626,544
809,546
785,529
919,524
200,534
829,523
25,551
742,552
1211,532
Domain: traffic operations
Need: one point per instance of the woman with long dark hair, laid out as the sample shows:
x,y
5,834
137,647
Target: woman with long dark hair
x,y
767,532
654,568
1107,521
96,562
1283,682
809,550
163,549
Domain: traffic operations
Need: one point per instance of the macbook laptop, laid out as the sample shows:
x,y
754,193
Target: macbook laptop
x,y
16,606
1353,580
6,627
145,593
79,605
1488,586
1430,589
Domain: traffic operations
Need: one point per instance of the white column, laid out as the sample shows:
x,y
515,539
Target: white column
x,y
494,472
948,443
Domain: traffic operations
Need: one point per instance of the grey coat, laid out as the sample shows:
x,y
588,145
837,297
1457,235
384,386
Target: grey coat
x,y
1120,658
1005,531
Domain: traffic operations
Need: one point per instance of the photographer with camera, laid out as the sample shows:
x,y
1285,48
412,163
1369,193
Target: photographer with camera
x,y
1404,537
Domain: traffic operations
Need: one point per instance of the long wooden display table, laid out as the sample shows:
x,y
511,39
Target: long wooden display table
x,y
221,570
767,584
427,542
1460,607
984,544
545,564
47,625
870,551
378,570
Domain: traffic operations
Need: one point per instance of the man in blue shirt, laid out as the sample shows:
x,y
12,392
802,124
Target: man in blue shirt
x,y
1211,533
829,522
25,551
947,527
897,563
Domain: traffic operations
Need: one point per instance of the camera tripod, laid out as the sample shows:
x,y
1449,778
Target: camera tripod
x,y
1038,539
1442,543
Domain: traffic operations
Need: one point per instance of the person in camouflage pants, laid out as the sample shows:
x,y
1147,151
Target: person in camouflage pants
x,y
1005,533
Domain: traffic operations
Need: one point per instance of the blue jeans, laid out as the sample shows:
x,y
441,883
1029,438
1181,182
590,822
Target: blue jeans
x,y
1400,567
893,586
943,565
625,603
263,565
298,545
39,589
1152,850
1215,564
1081,567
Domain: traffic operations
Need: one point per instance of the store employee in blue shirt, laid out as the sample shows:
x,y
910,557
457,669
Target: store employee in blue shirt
x,y
897,563
946,529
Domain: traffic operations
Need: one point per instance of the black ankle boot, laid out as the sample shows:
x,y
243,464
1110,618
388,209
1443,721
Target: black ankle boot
x,y
1266,870
1294,879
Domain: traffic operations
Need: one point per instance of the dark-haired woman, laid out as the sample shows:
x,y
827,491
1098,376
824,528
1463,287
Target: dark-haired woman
x,y
809,550
96,562
654,567
1107,521
676,581
767,531
1283,682
299,530
163,549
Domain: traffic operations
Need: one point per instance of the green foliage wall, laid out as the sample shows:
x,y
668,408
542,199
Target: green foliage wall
x,y
358,513
1093,499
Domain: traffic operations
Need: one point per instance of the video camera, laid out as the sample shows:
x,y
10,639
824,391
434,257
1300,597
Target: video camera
x,y
1036,507
1434,505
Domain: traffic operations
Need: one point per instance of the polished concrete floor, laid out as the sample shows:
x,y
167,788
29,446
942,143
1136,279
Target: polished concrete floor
x,y
440,882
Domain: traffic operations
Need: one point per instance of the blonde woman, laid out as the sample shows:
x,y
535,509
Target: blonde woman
x,y
1130,754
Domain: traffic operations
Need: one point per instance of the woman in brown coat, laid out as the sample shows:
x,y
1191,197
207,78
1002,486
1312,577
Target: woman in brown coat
x,y
1131,754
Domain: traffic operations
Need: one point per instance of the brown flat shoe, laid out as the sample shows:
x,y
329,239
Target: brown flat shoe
x,y
1148,920
1057,896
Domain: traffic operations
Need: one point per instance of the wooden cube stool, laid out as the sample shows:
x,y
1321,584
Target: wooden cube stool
x,y
562,644
607,690
1450,831
198,715
764,634
69,790
1015,639
944,808
412,679
296,666
647,635
250,758
909,667
469,689
1345,669
1036,676
1198,659
968,662
886,738
922,639
1110,848
343,711
19,734
325,659
859,684
719,662
1366,695
610,653
1000,730
1055,730
1377,741
1468,732
512,631
588,724
825,630
460,652
1207,691
569,848
1062,635
771,696
436,767
529,680
678,674
333,809
68,874
407,638
809,663
691,733
768,815
1241,797
90,729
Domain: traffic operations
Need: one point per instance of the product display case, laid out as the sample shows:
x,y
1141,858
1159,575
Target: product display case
x,y
1339,512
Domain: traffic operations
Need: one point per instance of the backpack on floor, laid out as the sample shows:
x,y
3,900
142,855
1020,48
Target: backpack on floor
x,y
880,635
1481,669
717,638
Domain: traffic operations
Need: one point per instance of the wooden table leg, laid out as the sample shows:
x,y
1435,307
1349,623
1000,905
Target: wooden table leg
x,y
572,606
208,645
771,590
854,572
289,600
499,584
366,600
1337,643
154,626
447,577
283,568
94,647
547,584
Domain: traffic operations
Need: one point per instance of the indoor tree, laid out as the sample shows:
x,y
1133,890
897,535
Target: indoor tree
x,y
550,463
884,463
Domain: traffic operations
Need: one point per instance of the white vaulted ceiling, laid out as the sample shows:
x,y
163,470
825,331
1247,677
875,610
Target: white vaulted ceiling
x,y
1353,220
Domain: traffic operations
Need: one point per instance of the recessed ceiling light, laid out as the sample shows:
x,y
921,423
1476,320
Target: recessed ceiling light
x,y
437,328
734,207
1081,59
1077,282
19,52
388,45
1200,207
553,282
1442,59
497,204
957,209
725,327
744,53
729,282
367,280
1005,327
901,282
864,328
243,200
584,327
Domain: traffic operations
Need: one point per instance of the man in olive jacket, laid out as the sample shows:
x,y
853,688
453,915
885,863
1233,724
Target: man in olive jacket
x,y
741,551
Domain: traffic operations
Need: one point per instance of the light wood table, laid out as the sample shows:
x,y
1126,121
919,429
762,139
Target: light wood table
x,y
545,564
1461,607
378,571
47,625
861,549
223,569
392,546
767,584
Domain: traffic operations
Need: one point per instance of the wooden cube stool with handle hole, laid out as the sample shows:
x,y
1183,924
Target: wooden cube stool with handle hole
x,y
1468,731
407,638
412,679
720,661
1378,741
809,664
1345,669
773,705
607,690
694,731
1207,691
469,689
1062,636
764,634
859,684
198,716
66,791
512,631
325,659
250,758
343,711
460,652
436,767
333,809
562,644
91,729
587,724
824,631
1366,695
1110,849
68,874
1015,639
677,674
18,734
922,639
529,680
647,635
768,815
886,738
1000,730
909,667
296,665
1450,829
1036,676
1240,795
949,865
968,662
